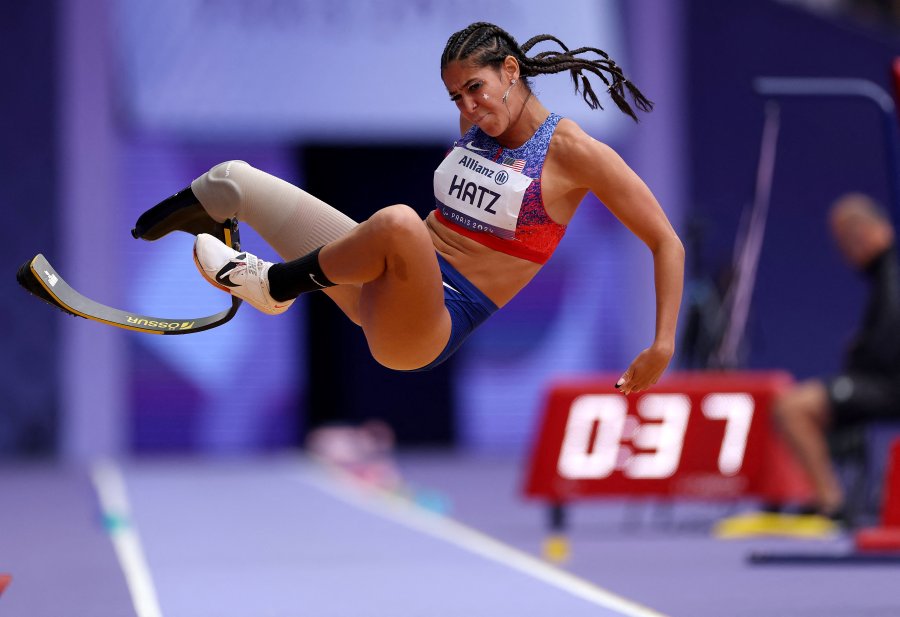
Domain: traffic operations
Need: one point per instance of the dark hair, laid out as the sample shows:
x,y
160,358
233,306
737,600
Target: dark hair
x,y
485,44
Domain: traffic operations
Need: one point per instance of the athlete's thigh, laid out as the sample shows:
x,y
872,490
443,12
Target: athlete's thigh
x,y
811,396
402,313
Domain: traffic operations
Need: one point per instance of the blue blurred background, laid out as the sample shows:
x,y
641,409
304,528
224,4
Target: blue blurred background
x,y
110,106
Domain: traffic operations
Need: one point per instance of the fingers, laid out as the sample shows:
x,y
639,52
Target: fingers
x,y
627,384
624,379
629,387
644,371
635,381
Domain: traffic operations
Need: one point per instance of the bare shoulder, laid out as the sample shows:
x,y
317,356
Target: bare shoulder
x,y
579,154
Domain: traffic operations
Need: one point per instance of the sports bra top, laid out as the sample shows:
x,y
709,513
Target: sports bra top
x,y
493,195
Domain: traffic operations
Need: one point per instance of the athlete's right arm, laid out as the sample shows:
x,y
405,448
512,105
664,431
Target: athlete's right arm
x,y
597,167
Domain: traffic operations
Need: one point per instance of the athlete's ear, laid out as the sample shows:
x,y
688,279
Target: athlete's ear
x,y
511,68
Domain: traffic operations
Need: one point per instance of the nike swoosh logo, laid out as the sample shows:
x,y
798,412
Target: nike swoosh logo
x,y
313,278
471,147
222,275
451,288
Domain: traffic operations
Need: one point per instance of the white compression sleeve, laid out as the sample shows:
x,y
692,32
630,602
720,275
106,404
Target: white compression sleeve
x,y
291,220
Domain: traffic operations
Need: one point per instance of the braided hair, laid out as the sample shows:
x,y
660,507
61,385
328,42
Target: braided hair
x,y
485,44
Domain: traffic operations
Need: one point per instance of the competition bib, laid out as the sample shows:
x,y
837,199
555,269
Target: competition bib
x,y
479,194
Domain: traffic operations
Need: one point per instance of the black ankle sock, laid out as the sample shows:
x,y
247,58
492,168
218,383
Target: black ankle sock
x,y
292,278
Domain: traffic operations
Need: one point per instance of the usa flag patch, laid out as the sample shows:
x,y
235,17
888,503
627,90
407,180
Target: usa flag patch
x,y
514,164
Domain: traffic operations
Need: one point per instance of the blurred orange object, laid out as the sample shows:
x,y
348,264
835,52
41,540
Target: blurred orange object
x,y
887,536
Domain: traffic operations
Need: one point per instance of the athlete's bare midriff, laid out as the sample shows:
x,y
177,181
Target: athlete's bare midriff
x,y
498,275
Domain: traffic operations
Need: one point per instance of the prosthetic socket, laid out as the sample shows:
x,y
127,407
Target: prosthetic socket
x,y
291,220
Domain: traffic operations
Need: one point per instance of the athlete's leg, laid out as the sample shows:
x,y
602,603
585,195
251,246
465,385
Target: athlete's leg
x,y
401,305
803,415
390,258
288,218
291,220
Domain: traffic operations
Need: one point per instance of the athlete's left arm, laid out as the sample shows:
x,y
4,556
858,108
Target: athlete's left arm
x,y
598,168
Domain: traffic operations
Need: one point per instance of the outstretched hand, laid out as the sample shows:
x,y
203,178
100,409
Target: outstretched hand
x,y
645,370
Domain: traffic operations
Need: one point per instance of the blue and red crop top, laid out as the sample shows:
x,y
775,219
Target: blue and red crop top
x,y
493,195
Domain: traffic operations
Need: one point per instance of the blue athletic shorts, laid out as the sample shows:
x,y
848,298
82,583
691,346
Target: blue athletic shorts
x,y
468,307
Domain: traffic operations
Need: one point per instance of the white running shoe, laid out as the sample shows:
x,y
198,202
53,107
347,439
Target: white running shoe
x,y
239,273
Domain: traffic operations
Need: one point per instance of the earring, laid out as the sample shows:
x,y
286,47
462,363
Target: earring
x,y
506,94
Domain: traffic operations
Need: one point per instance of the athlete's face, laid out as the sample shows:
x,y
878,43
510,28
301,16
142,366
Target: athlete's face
x,y
478,94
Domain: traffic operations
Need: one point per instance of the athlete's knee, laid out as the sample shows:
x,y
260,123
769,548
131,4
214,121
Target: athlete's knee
x,y
221,189
805,401
398,221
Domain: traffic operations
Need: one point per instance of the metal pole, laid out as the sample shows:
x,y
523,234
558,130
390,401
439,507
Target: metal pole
x,y
846,87
739,295
746,259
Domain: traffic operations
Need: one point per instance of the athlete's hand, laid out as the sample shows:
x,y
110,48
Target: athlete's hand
x,y
646,369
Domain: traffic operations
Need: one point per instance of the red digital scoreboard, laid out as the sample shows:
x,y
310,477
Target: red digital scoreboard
x,y
704,435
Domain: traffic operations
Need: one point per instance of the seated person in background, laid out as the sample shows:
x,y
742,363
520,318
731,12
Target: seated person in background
x,y
869,386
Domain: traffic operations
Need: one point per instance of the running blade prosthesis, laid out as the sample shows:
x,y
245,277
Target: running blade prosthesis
x,y
181,212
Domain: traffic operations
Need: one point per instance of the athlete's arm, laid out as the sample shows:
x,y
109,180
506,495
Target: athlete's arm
x,y
598,168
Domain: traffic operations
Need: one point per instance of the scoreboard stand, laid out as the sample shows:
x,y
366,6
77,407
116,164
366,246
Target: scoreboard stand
x,y
699,435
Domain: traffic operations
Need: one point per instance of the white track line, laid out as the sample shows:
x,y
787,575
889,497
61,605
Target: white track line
x,y
389,506
113,495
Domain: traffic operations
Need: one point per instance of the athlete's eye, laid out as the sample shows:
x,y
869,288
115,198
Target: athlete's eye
x,y
471,88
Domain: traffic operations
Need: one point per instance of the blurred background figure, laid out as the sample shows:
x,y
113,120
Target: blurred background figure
x,y
366,452
868,386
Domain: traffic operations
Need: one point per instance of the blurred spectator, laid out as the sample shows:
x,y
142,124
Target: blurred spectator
x,y
868,388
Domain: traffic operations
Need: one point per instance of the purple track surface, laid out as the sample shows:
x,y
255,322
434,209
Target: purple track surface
x,y
274,537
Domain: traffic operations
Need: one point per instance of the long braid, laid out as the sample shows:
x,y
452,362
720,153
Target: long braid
x,y
487,44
